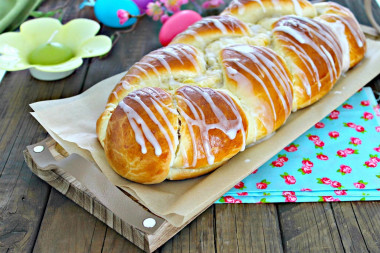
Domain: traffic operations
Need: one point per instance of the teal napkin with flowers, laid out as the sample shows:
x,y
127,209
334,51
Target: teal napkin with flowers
x,y
336,160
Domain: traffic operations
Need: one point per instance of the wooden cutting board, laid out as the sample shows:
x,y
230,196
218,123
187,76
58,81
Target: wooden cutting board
x,y
74,190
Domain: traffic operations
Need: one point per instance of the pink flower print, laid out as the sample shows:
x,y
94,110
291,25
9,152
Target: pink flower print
x,y
355,141
277,164
324,180
305,170
334,115
326,199
262,201
365,103
367,116
336,184
347,106
377,129
282,158
288,178
334,134
238,201
340,192
262,185
320,125
290,199
306,190
322,157
255,171
307,162
350,151
227,199
374,159
288,193
360,184
291,148
122,15
242,194
349,124
240,186
344,169
377,149
370,164
319,144
313,137
360,129
341,153
376,108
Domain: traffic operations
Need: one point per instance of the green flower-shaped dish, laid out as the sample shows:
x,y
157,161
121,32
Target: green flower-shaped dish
x,y
77,36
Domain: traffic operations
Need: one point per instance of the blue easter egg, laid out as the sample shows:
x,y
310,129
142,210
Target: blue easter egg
x,y
106,12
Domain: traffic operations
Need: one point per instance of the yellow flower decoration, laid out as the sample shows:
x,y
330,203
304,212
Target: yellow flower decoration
x,y
78,35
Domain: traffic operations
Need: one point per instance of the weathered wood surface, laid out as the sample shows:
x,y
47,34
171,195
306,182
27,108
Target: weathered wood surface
x,y
34,218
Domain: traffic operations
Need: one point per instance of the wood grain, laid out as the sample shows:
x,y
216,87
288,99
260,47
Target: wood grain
x,y
23,197
247,228
309,227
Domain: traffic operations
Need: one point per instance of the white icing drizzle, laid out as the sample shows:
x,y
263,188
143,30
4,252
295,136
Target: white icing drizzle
x,y
151,67
339,29
320,32
134,117
261,4
172,52
190,56
297,8
355,32
217,24
270,70
161,59
228,127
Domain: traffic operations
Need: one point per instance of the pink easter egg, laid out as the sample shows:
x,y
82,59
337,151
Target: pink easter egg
x,y
176,24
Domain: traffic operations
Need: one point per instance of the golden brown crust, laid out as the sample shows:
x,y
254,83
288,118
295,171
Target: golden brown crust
x,y
262,82
162,67
208,29
262,69
252,11
213,127
313,54
140,143
334,13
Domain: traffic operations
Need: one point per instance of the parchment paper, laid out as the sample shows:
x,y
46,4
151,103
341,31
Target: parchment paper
x,y
71,122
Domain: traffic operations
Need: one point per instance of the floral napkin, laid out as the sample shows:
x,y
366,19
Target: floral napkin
x,y
336,160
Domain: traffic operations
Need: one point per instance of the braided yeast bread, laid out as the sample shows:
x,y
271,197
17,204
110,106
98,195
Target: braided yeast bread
x,y
223,84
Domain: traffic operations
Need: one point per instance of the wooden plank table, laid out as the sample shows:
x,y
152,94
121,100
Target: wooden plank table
x,y
36,218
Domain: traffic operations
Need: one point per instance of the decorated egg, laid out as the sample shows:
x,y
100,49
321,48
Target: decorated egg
x,y
114,13
176,24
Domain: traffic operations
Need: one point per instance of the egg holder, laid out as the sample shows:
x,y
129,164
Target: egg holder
x,y
78,35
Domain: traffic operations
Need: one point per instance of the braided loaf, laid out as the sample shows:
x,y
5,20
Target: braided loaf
x,y
223,84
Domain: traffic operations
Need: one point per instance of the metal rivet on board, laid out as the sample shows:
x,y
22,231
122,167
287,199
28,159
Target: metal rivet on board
x,y
38,149
149,222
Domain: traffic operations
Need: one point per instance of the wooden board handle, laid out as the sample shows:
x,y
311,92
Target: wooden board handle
x,y
108,194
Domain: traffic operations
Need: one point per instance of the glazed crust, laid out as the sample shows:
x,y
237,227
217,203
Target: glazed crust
x,y
147,116
333,13
226,82
315,58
